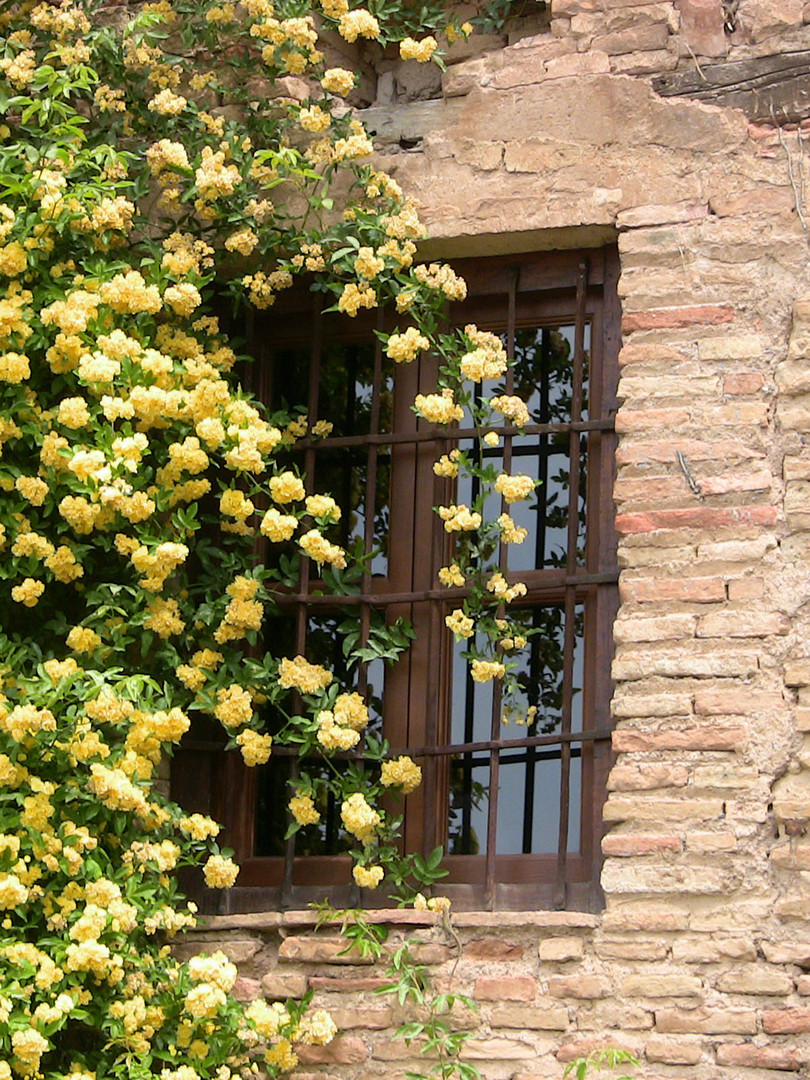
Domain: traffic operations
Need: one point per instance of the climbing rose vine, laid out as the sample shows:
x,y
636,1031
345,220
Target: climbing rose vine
x,y
157,158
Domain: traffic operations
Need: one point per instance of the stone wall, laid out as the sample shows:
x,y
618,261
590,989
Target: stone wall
x,y
698,963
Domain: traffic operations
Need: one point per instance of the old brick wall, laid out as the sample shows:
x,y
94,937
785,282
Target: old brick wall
x,y
700,962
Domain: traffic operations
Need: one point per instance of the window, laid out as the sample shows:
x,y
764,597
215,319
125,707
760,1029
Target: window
x,y
516,806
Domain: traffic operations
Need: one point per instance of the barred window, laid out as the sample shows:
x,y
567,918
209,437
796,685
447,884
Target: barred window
x,y
516,805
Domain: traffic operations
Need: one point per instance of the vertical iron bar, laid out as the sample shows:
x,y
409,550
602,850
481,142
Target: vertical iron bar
x,y
503,566
569,639
303,577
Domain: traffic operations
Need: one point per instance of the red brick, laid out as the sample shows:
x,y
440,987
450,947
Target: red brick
x,y
649,353
673,318
757,1057
743,382
728,482
785,1021
639,843
341,1051
702,517
695,738
507,988
493,949
247,989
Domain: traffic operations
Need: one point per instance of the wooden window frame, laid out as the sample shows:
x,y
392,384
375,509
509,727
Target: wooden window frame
x,y
573,287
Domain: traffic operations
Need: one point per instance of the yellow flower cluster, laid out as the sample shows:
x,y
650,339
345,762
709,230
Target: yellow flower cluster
x,y
256,748
334,736
447,465
300,674
486,670
401,772
355,297
359,818
442,278
421,51
438,408
302,808
368,877
320,550
498,585
512,408
358,23
460,624
515,488
510,532
451,576
219,872
459,518
405,347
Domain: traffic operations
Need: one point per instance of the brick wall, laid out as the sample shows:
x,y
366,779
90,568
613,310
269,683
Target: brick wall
x,y
698,963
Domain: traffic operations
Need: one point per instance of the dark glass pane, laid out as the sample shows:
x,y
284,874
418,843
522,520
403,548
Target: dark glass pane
x,y
528,813
343,473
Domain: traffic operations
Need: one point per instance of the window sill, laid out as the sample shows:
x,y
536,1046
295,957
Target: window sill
x,y
273,920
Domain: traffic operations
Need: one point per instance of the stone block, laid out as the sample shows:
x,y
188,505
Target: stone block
x,y
738,700
696,590
747,588
733,347
787,952
705,517
651,705
677,317
709,950
620,878
633,947
655,628
743,382
702,27
709,842
245,989
625,809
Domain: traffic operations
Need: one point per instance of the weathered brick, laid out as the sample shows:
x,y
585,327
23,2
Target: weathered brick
x,y
793,855
698,590
656,214
643,915
787,952
580,1047
677,879
737,550
630,705
360,1016
431,953
493,949
674,318
320,950
245,989
531,1017
737,700
280,987
725,774
737,413
499,1050
505,988
581,987
803,985
561,949
625,844
633,947
737,347
673,1051
342,1050
705,517
746,588
785,1021
649,352
638,452
740,623
654,628
708,950
344,984
646,777
687,659
694,738
706,842
649,985
622,809
797,672
632,420
755,979
705,1021
743,382
749,1056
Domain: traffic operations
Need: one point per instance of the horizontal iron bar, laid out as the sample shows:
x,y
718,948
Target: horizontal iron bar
x,y
452,435
558,581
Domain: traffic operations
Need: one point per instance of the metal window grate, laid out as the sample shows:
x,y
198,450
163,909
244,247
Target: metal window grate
x,y
492,793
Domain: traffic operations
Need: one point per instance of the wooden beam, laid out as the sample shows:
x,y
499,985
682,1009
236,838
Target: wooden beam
x,y
773,89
